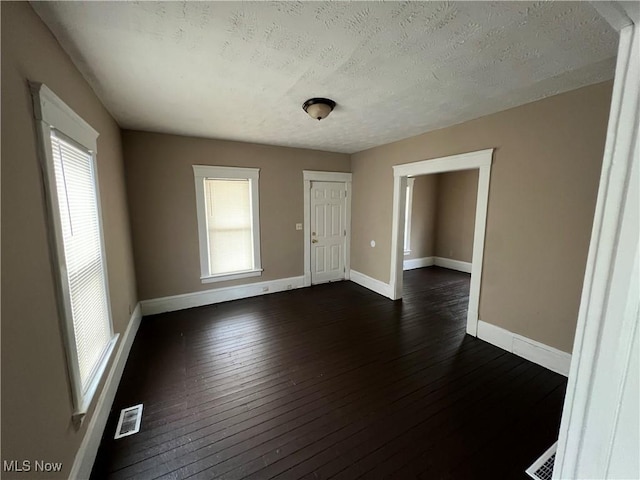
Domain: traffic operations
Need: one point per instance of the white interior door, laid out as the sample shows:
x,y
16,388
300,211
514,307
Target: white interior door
x,y
328,231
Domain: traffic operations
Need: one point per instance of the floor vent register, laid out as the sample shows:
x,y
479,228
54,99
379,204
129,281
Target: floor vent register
x,y
542,469
129,422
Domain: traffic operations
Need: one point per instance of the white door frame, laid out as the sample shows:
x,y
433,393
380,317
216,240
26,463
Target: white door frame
x,y
598,388
466,161
309,176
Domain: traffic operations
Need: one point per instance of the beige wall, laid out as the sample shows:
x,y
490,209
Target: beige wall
x,y
163,206
36,397
443,215
542,196
456,207
541,202
423,217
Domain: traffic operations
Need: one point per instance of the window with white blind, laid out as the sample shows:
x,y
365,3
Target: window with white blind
x,y
69,152
407,215
228,222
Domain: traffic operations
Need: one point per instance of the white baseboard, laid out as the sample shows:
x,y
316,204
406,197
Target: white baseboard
x,y
372,284
413,263
544,355
452,264
217,295
88,450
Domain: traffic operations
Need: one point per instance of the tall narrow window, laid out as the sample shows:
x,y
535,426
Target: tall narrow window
x,y
407,215
69,146
79,218
228,222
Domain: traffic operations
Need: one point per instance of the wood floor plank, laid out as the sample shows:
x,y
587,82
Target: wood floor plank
x,y
321,378
332,381
345,405
258,413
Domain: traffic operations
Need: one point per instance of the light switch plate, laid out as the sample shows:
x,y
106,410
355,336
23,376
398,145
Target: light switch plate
x,y
298,226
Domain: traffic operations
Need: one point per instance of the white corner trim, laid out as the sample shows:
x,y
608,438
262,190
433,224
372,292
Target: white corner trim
x,y
452,264
544,355
86,455
217,295
372,284
418,263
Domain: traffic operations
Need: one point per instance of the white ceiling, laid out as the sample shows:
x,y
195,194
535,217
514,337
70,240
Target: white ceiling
x,y
241,71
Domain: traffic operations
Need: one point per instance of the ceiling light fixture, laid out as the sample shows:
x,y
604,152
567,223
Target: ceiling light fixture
x,y
318,108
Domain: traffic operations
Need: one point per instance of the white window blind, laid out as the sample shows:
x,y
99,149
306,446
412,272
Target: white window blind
x,y
407,215
80,224
229,225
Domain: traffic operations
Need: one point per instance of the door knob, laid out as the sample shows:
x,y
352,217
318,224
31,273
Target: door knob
x,y
314,241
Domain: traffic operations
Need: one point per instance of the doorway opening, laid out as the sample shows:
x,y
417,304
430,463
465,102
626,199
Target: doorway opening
x,y
327,226
480,160
438,238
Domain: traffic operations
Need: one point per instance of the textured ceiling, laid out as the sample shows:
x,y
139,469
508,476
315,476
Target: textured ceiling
x,y
241,71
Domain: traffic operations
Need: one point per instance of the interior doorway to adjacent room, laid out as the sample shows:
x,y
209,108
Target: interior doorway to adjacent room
x,y
480,161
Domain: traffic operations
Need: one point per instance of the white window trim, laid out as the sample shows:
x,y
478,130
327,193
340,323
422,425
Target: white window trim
x,y
52,113
200,172
407,238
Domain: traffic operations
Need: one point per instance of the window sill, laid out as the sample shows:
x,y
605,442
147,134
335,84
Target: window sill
x,y
231,276
87,397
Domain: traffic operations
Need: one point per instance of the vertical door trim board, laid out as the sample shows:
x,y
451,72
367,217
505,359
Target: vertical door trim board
x,y
309,176
608,315
480,160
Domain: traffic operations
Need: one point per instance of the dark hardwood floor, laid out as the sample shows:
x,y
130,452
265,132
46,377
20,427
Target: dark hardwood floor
x,y
332,381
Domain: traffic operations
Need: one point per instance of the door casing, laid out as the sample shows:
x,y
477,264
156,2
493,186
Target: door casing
x,y
480,160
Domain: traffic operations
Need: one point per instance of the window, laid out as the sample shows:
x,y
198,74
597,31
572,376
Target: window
x,y
69,153
228,222
407,216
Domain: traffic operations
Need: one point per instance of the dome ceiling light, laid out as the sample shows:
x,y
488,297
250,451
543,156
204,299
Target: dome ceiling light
x,y
318,108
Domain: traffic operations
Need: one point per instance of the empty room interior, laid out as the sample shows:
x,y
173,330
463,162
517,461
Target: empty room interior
x,y
320,240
